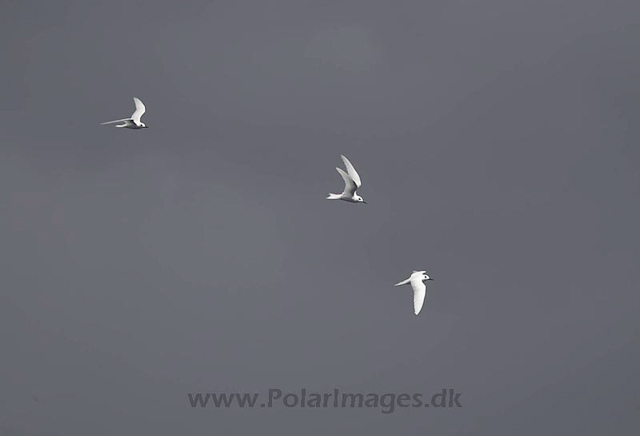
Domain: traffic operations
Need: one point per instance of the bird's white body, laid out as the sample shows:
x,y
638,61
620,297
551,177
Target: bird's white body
x,y
416,280
132,122
351,184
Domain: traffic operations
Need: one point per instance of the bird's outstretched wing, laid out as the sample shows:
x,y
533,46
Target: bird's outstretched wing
x,y
351,171
419,293
349,185
116,121
140,110
404,282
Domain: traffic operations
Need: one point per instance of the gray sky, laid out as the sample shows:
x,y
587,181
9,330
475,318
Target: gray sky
x,y
498,146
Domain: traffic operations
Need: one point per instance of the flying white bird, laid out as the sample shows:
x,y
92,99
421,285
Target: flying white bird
x,y
351,184
134,121
419,288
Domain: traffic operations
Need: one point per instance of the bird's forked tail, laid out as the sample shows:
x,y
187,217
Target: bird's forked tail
x,y
333,197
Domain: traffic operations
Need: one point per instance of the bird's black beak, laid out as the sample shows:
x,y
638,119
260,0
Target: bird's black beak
x,y
430,279
364,202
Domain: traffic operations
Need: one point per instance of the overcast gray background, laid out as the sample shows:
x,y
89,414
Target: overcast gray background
x,y
498,145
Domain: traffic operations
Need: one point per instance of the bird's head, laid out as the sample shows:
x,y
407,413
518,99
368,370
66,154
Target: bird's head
x,y
423,275
144,126
359,199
